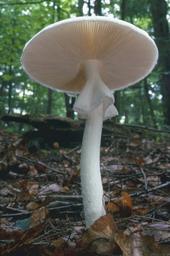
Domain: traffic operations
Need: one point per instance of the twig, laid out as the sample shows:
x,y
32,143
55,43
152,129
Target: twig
x,y
15,210
65,207
66,157
63,197
58,202
6,215
72,150
39,163
152,189
145,178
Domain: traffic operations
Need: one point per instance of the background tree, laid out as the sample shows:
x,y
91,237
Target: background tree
x,y
159,11
146,103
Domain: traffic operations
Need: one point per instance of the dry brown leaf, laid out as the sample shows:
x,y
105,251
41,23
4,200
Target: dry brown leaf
x,y
40,166
65,189
135,141
99,237
9,233
151,247
112,207
126,204
32,171
38,216
140,161
124,243
139,245
139,210
58,243
32,188
32,206
26,238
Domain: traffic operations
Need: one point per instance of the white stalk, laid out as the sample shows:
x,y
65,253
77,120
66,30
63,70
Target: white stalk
x,y
91,183
94,103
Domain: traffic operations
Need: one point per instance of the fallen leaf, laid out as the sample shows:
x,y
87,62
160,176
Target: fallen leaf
x,y
32,206
135,141
124,243
10,233
25,238
126,204
65,189
50,188
32,188
32,171
99,237
140,161
59,243
139,210
112,207
38,216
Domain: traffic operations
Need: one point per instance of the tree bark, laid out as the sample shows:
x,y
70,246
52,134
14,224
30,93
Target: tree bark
x,y
65,131
123,9
123,13
80,7
10,91
89,7
159,11
98,7
69,103
50,92
49,102
151,109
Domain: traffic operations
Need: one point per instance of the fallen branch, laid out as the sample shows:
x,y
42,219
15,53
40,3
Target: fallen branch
x,y
166,184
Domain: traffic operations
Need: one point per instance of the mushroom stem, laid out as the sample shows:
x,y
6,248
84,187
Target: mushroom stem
x,y
92,189
95,103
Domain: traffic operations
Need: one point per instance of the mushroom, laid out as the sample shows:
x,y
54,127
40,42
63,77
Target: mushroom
x,y
92,57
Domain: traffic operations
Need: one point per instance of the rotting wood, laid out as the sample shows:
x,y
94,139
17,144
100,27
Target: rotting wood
x,y
65,131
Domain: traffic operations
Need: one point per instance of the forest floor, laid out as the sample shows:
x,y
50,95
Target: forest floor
x,y
41,205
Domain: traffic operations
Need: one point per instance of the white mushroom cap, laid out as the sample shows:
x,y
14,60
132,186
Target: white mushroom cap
x,y
55,56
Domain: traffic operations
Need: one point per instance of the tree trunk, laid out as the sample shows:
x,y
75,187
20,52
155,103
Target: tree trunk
x,y
80,7
123,108
69,103
89,7
123,9
2,96
9,97
123,13
98,7
159,11
50,92
10,91
165,83
148,99
49,102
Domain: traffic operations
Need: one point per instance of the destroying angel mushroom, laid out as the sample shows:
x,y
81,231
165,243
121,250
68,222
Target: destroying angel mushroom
x,y
92,56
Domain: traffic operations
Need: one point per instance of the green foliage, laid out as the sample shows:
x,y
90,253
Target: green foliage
x,y
18,24
21,19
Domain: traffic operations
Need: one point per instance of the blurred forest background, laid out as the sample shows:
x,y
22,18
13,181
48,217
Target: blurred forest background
x,y
147,103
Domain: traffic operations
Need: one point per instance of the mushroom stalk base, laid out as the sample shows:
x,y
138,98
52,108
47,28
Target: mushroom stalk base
x,y
92,189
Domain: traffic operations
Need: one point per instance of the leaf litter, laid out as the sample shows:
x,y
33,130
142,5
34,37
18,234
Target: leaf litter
x,y
41,204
